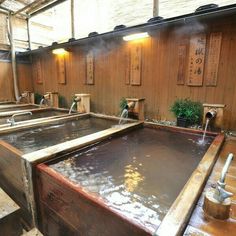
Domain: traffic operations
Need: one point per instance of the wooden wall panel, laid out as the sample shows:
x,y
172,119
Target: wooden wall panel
x,y
159,73
6,80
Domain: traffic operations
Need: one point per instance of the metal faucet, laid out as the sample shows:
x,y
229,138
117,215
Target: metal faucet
x,y
221,194
12,122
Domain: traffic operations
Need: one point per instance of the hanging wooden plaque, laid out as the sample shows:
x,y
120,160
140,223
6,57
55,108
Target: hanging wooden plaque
x,y
135,64
213,59
181,64
197,50
61,69
127,66
90,68
39,74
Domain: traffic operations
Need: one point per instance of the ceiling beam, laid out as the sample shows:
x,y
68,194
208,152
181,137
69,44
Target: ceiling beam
x,y
46,8
31,5
5,9
2,1
40,5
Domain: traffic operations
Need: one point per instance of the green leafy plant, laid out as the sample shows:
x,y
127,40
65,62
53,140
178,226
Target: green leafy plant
x,y
185,108
62,101
37,98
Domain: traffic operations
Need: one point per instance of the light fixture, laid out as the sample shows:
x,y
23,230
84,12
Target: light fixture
x,y
136,36
59,51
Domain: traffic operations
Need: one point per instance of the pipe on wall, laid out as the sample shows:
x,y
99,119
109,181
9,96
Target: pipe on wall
x,y
155,8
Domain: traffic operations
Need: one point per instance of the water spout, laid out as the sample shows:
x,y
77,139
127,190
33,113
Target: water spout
x,y
45,100
23,95
12,122
76,100
211,114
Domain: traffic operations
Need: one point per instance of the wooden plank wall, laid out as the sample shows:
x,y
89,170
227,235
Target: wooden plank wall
x,y
159,71
6,80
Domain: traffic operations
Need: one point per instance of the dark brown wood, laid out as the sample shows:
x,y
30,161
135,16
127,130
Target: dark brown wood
x,y
197,50
213,58
181,65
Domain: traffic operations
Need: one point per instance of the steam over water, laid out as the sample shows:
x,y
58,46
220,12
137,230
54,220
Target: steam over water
x,y
139,174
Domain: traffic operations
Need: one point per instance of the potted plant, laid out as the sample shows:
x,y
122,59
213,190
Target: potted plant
x,y
187,112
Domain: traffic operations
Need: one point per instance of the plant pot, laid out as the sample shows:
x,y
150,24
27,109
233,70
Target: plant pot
x,y
182,122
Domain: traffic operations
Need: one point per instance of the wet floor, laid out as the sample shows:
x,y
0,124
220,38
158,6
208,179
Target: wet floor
x,y
32,139
35,115
139,174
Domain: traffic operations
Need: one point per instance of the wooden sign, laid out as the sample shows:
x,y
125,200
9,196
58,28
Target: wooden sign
x,y
135,64
127,66
181,64
61,69
213,59
90,68
196,60
39,73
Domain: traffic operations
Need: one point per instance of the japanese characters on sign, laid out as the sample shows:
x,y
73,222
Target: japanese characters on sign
x,y
213,59
39,73
196,60
181,64
61,71
135,62
90,68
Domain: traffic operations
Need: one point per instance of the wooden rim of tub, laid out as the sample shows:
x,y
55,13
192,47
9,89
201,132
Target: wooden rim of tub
x,y
180,211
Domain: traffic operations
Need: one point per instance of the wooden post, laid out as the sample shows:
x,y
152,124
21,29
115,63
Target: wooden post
x,y
72,19
28,33
155,8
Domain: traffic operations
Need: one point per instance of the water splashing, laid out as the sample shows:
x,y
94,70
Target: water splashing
x,y
123,116
202,141
41,102
71,108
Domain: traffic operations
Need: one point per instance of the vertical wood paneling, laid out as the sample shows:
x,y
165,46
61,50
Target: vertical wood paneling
x,y
6,80
159,72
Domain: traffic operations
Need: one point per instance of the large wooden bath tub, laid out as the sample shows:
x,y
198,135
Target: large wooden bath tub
x,y
136,183
24,146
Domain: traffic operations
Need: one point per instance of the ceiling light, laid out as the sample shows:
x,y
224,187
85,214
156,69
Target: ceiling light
x,y
59,51
136,36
